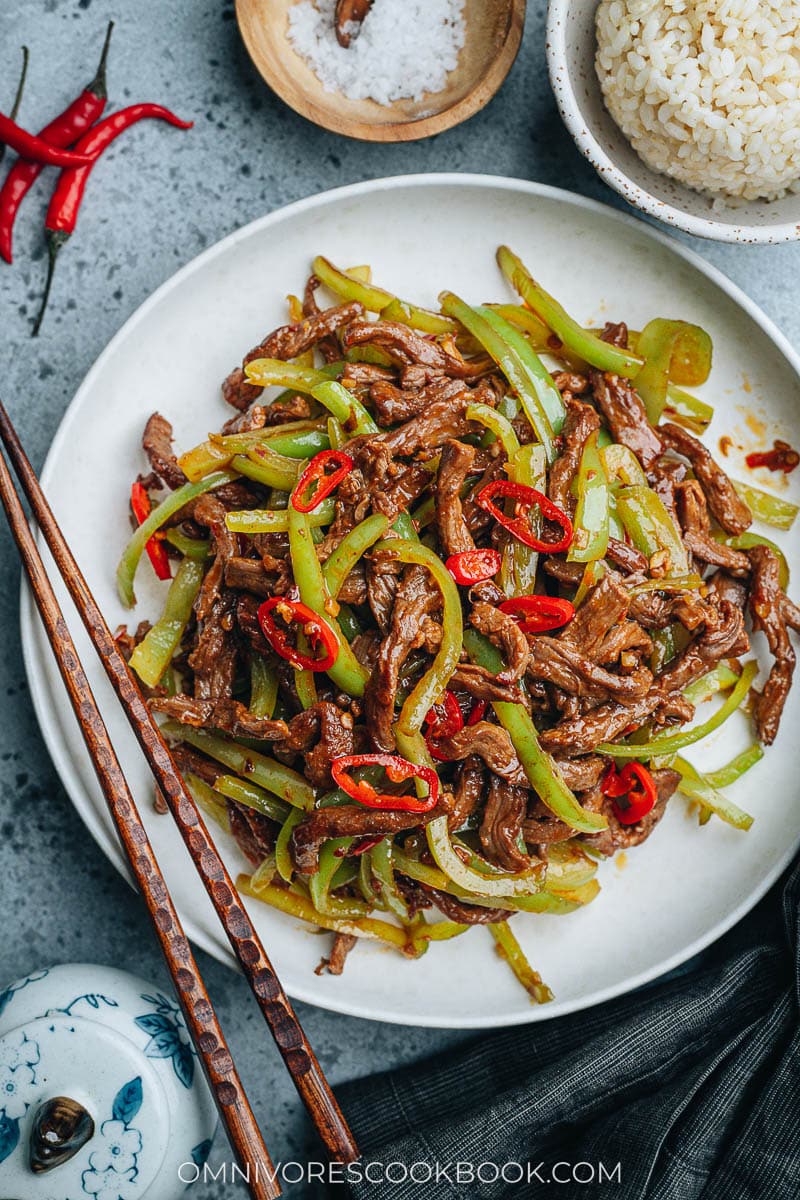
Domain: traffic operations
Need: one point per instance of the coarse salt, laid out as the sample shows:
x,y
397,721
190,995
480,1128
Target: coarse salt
x,y
405,48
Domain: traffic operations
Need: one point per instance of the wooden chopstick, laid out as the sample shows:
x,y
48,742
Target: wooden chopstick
x,y
201,1019
292,1043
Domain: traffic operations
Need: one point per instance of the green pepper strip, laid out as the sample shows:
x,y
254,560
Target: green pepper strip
x,y
698,787
276,520
543,901
546,391
671,743
669,583
520,562
252,796
431,687
296,439
195,548
499,425
350,549
528,381
471,879
621,465
300,906
208,800
685,409
283,858
336,435
347,672
509,948
541,338
591,524
718,679
264,466
744,541
671,349
737,767
161,513
538,765
650,527
378,300
263,687
273,372
772,510
585,345
153,654
383,871
321,883
274,776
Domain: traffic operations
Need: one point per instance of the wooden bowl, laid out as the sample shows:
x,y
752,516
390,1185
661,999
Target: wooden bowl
x,y
494,32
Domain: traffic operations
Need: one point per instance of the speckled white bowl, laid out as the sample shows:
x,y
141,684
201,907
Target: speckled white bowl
x,y
571,45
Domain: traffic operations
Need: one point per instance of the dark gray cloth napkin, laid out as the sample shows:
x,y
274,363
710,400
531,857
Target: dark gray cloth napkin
x,y
691,1085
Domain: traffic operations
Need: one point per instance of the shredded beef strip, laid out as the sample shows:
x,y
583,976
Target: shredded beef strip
x,y
624,411
606,606
541,828
457,910
570,383
213,659
500,831
348,820
254,833
441,420
383,577
455,465
565,572
627,558
724,501
626,636
222,713
284,343
341,946
491,743
416,598
406,347
692,511
624,837
482,684
392,404
328,346
768,615
563,664
504,632
468,791
581,422
157,445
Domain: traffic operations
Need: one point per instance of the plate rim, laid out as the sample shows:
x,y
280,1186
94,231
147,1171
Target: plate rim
x,y
31,633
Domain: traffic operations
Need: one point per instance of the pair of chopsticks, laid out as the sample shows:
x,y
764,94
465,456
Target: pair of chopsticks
x,y
209,1040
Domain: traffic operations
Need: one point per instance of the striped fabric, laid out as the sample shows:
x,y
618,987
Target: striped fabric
x,y
687,1089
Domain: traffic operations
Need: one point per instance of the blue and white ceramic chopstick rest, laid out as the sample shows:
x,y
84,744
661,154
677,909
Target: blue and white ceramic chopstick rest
x,y
101,1093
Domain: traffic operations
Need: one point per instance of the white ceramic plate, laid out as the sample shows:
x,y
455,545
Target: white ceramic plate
x,y
421,234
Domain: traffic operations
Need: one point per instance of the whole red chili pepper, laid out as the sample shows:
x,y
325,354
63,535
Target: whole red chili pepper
x,y
18,96
443,720
519,524
629,802
397,769
65,202
28,145
306,496
140,505
63,130
538,614
317,631
473,566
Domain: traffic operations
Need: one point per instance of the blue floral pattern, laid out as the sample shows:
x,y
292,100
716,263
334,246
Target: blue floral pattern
x,y
114,1165
8,995
168,1036
19,1056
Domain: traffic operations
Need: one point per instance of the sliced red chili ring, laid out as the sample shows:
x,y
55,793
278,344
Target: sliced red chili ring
x,y
477,712
140,506
538,614
473,566
519,524
309,623
397,771
629,802
443,720
315,483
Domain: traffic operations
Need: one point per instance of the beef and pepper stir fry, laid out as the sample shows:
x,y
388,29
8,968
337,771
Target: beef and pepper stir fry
x,y
444,607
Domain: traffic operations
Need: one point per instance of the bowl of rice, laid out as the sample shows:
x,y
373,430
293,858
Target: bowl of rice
x,y
690,109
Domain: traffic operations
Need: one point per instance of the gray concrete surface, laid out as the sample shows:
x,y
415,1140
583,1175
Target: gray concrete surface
x,y
154,203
